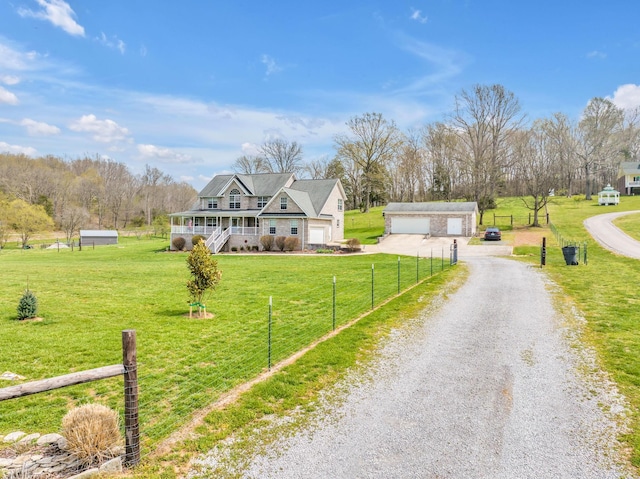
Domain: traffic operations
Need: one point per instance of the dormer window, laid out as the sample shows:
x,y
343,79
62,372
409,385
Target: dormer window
x,y
262,201
283,203
234,199
212,204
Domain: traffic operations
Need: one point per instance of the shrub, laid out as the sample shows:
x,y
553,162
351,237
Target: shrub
x,y
324,251
195,239
353,244
280,240
292,243
234,248
266,242
178,243
92,432
28,305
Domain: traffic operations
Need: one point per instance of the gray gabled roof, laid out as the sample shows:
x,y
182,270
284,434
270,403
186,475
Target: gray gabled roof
x,y
265,184
432,207
318,191
630,167
302,199
101,233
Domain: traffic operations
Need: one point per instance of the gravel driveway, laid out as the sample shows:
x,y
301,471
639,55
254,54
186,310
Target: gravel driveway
x,y
486,386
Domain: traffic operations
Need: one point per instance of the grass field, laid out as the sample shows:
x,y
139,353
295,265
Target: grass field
x,y
86,298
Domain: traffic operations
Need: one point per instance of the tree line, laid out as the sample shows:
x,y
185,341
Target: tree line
x,y
38,194
484,148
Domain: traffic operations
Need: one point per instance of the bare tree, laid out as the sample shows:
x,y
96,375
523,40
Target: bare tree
x,y
560,132
249,164
151,181
485,118
441,148
281,156
317,169
536,155
372,143
72,220
595,138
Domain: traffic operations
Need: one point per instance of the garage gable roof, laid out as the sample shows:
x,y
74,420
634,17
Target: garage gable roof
x,y
433,207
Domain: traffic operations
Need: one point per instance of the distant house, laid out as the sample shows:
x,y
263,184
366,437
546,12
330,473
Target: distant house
x,y
98,237
629,177
431,218
234,211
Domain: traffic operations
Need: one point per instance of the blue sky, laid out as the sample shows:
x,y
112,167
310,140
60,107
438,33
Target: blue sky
x,y
189,86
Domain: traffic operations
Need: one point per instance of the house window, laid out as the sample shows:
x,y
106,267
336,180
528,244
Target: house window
x,y
339,204
212,204
272,227
234,199
213,222
636,178
262,201
338,223
283,203
294,227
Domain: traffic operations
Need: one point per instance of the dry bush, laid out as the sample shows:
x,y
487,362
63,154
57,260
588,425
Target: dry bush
x,y
280,242
92,432
292,243
353,244
179,242
266,242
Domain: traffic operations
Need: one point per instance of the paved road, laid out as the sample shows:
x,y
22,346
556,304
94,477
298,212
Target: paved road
x,y
610,236
484,387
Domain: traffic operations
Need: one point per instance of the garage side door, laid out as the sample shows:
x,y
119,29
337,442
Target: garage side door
x,y
454,226
410,225
316,236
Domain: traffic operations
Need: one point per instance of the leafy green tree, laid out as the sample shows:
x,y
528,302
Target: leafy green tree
x,y
161,225
28,220
205,274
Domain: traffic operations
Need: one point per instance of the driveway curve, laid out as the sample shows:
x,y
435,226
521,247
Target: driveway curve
x,y
602,229
486,386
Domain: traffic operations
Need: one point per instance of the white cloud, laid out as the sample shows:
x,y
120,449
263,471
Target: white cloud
x,y
58,12
164,155
627,96
104,131
250,148
272,66
11,59
25,150
418,17
7,97
9,79
114,42
37,128
597,54
143,51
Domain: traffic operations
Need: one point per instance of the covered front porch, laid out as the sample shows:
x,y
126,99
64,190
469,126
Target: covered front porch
x,y
198,224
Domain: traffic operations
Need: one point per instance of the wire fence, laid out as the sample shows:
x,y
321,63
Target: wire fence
x,y
271,327
572,250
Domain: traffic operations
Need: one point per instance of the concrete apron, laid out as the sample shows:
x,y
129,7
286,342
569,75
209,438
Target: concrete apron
x,y
410,245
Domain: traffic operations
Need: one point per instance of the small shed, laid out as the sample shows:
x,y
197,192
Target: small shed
x,y
431,218
608,196
98,237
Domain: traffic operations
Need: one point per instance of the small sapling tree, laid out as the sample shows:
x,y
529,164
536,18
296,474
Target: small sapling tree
x,y
28,305
205,275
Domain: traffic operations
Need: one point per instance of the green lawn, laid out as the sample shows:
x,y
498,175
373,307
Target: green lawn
x,y
367,227
87,298
630,224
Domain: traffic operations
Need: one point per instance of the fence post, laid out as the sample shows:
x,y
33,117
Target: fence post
x,y
442,263
543,252
334,303
372,269
269,337
398,274
417,267
131,424
431,262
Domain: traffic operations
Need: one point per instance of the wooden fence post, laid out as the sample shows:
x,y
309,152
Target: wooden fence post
x,y
131,425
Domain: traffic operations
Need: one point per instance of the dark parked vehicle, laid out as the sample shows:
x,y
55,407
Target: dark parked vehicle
x,y
492,233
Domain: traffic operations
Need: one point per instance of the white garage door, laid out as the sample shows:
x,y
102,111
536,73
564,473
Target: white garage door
x,y
410,225
316,236
454,226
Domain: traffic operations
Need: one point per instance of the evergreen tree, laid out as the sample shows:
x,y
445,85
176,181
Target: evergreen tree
x,y
28,305
205,274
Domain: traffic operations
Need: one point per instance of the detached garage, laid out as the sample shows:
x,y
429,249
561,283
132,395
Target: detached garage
x,y
433,218
98,237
